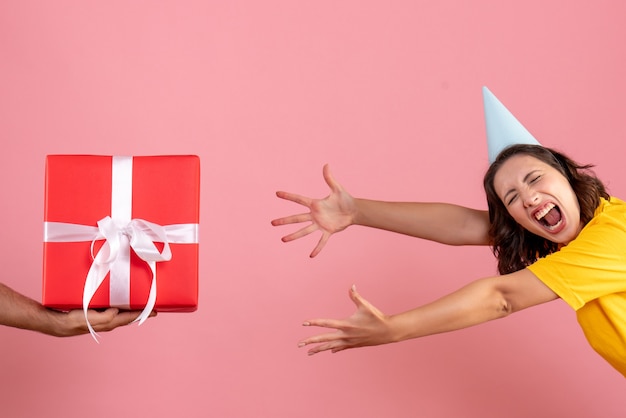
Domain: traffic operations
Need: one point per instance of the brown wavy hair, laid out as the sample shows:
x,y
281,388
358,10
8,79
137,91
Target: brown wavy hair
x,y
514,247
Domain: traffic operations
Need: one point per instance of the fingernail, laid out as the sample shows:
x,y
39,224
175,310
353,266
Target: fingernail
x,y
306,324
300,345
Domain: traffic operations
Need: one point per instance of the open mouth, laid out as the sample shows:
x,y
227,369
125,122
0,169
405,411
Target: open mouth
x,y
549,216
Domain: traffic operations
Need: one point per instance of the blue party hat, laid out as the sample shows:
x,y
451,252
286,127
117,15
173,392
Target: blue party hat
x,y
503,129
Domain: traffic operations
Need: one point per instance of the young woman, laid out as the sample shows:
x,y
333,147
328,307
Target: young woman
x,y
551,224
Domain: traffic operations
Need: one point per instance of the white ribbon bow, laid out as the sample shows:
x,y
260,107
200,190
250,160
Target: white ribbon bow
x,y
139,235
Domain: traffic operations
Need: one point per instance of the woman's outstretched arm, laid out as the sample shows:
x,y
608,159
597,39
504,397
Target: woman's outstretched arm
x,y
440,222
478,302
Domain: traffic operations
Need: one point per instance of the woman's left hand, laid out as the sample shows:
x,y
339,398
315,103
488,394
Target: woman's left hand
x,y
368,326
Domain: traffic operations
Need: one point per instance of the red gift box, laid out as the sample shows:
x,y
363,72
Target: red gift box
x,y
110,224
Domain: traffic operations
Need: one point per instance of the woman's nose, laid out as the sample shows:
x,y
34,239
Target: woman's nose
x,y
530,198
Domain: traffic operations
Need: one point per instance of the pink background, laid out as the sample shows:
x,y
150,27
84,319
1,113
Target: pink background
x,y
266,92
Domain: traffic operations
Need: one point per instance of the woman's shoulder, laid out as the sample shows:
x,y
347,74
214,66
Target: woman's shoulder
x,y
613,200
612,204
611,213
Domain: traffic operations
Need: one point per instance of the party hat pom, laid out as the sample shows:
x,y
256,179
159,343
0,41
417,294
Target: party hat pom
x,y
503,129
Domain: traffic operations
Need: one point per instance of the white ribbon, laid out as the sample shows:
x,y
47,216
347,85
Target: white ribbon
x,y
120,236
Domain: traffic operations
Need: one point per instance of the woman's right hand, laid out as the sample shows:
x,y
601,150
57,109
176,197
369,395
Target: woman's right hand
x,y
334,213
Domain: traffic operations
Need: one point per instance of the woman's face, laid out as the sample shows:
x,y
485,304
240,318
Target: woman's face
x,y
539,198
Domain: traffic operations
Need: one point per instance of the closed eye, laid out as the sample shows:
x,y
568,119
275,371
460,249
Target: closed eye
x,y
512,199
